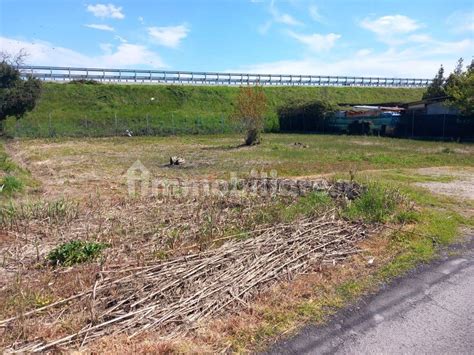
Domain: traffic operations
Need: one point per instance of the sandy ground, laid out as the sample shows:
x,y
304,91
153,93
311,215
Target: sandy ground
x,y
461,187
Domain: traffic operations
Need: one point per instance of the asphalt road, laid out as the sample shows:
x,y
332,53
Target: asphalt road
x,y
429,311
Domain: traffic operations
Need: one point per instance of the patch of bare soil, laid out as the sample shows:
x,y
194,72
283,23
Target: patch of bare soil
x,y
367,143
462,185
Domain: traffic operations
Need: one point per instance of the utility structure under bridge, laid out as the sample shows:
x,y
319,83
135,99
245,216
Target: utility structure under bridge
x,y
131,76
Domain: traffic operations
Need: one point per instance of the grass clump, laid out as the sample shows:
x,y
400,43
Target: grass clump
x,y
377,203
10,184
407,216
75,252
308,205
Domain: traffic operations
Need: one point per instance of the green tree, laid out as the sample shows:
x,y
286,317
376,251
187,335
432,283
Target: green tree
x,y
17,96
436,88
461,90
250,109
455,76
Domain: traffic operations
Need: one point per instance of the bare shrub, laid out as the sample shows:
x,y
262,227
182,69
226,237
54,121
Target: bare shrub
x,y
250,109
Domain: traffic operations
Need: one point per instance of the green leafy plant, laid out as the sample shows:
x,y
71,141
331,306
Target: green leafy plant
x,y
75,252
10,184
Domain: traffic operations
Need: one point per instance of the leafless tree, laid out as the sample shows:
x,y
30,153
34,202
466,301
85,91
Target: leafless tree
x,y
14,60
250,109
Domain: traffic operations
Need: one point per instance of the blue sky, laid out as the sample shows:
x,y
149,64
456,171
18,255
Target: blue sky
x,y
352,37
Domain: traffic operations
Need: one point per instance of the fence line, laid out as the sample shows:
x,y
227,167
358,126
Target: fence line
x,y
131,76
117,124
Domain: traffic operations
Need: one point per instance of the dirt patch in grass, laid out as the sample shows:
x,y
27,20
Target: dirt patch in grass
x,y
461,187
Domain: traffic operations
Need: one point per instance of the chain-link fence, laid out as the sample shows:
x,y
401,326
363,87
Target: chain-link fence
x,y
117,125
418,125
410,125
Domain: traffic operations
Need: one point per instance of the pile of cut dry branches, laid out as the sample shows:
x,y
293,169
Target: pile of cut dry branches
x,y
173,295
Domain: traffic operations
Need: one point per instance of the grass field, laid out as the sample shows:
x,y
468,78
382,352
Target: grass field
x,y
109,109
76,190
80,162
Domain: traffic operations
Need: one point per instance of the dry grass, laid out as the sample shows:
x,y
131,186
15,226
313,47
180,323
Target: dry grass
x,y
80,168
85,181
173,295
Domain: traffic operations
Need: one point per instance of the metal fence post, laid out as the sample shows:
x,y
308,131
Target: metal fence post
x,y
172,123
116,125
87,126
444,124
147,125
49,125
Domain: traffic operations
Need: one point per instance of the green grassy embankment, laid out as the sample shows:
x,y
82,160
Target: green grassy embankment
x,y
110,109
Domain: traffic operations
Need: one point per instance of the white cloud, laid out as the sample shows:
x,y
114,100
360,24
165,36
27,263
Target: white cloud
x,y
277,17
287,20
390,24
417,61
106,11
391,29
124,55
100,27
283,18
120,39
141,20
316,42
314,13
363,52
454,48
170,36
420,38
380,65
461,21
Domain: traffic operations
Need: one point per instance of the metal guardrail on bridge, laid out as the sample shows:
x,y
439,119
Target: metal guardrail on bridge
x,y
211,78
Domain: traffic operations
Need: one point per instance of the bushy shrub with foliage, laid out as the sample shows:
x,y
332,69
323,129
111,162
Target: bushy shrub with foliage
x,y
17,96
305,117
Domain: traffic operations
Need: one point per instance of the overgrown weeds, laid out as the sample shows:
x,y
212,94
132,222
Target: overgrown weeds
x,y
60,210
75,252
377,203
12,177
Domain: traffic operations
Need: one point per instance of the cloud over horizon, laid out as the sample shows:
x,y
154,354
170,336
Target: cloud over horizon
x,y
125,55
100,27
106,11
170,36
